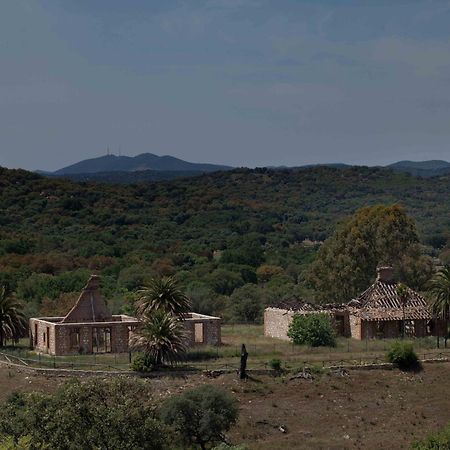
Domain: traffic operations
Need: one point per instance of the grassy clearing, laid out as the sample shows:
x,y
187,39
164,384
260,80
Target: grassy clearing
x,y
261,351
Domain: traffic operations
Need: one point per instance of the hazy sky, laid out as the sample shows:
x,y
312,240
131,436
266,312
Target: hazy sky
x,y
240,82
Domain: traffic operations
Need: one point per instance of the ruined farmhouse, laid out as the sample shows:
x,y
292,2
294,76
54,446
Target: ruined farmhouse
x,y
379,312
89,327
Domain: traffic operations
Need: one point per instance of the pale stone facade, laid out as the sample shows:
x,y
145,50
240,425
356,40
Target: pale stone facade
x,y
278,320
379,312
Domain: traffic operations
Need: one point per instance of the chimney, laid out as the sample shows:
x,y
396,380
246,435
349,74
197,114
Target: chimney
x,y
385,274
93,283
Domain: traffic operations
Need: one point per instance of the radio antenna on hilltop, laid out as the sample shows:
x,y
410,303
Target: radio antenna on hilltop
x,y
107,151
120,150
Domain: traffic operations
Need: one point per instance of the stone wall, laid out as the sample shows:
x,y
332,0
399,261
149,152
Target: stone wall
x,y
43,336
60,337
386,329
355,327
203,331
75,338
276,323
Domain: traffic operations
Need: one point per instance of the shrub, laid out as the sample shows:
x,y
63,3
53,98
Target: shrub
x,y
117,413
275,364
316,330
402,354
142,363
434,441
201,415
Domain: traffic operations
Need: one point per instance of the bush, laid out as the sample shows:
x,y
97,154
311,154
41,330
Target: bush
x,y
117,413
402,354
316,330
275,364
201,415
435,441
142,363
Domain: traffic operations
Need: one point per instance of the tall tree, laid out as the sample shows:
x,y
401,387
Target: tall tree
x,y
12,319
440,295
162,294
347,261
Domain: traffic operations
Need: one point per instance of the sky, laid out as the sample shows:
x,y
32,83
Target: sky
x,y
238,82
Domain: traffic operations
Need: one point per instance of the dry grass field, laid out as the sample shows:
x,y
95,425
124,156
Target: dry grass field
x,y
368,409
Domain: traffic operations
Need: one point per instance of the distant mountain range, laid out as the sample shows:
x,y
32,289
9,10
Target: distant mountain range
x,y
151,167
424,169
430,168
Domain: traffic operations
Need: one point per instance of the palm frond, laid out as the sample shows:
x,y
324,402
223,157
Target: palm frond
x,y
160,336
439,290
12,320
162,294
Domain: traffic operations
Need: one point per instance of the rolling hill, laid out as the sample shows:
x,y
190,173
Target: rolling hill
x,y
426,169
144,161
148,167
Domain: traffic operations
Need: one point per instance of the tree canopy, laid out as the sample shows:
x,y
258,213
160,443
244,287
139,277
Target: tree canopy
x,y
346,263
215,233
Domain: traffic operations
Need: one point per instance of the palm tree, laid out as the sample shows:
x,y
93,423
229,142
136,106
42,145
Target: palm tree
x,y
440,294
162,294
161,337
12,320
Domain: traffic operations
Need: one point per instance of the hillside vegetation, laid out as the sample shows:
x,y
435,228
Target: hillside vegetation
x,y
236,240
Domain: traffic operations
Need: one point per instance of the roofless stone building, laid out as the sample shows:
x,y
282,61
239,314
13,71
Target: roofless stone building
x,y
379,312
89,327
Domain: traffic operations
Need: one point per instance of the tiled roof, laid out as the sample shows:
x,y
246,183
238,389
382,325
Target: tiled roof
x,y
381,302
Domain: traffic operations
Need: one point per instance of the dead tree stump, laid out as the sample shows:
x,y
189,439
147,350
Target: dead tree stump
x,y
243,368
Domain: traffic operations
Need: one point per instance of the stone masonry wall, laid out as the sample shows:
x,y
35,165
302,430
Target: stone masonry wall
x,y
43,336
211,331
276,323
119,338
355,327
60,337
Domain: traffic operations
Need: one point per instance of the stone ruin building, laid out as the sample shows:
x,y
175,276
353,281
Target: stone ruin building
x,y
378,312
89,327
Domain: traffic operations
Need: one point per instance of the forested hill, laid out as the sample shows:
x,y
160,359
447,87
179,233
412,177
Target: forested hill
x,y
144,161
217,232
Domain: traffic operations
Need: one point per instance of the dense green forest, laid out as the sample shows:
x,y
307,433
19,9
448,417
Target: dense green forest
x,y
235,240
